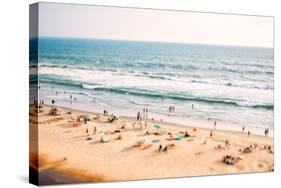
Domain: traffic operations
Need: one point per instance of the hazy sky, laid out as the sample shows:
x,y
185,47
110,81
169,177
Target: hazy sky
x,y
82,21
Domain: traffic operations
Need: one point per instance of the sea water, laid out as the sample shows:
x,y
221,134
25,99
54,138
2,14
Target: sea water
x,y
218,83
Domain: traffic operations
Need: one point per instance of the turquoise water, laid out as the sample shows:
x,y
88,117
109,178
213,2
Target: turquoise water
x,y
231,84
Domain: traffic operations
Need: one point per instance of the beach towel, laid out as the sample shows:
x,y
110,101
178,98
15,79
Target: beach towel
x,y
179,138
157,126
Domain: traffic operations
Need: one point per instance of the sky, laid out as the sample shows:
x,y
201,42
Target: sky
x,y
97,22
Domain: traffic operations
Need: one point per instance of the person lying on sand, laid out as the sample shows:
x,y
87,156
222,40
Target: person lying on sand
x,y
229,159
147,133
157,134
116,131
113,118
247,149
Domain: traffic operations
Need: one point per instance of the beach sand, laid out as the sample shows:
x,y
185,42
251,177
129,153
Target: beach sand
x,y
78,155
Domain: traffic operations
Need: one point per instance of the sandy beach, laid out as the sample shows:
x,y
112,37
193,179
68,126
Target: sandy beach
x,y
88,148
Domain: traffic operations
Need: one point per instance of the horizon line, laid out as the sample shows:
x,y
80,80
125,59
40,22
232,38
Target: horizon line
x,y
152,41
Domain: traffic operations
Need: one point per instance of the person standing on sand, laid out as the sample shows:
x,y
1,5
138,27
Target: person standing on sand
x,y
215,124
266,131
160,147
243,128
138,116
95,131
143,113
227,144
146,113
249,133
53,102
211,133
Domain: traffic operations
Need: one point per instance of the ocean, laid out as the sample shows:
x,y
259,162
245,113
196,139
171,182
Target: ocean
x,y
223,83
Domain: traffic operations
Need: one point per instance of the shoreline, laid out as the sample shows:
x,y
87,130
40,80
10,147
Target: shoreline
x,y
112,161
185,122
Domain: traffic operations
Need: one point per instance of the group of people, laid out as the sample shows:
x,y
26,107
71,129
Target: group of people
x,y
142,116
266,131
41,101
145,113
